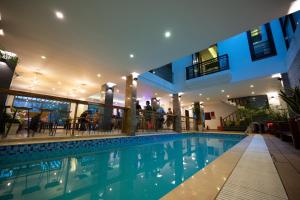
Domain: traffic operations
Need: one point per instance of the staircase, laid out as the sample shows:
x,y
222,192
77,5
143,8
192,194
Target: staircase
x,y
234,122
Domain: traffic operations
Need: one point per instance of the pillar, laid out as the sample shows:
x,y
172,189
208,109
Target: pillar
x,y
197,114
130,121
187,120
107,91
177,112
8,63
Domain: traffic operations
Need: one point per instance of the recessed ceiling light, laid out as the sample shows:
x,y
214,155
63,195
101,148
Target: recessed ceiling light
x,y
167,34
252,86
43,57
222,90
1,32
227,96
59,14
123,77
252,92
131,56
98,75
200,94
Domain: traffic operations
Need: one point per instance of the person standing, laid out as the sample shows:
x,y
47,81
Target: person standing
x,y
160,117
147,115
138,109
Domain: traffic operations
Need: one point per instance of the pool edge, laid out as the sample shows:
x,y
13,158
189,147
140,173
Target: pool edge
x,y
208,182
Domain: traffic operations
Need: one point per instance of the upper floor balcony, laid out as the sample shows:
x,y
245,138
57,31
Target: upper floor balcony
x,y
210,66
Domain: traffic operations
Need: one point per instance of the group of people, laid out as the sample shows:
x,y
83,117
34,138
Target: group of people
x,y
153,116
93,121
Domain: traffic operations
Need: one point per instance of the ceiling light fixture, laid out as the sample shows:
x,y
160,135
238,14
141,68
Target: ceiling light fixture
x,y
252,92
278,75
131,56
43,57
59,14
252,86
98,75
110,84
58,82
200,94
222,90
135,74
1,32
167,34
227,96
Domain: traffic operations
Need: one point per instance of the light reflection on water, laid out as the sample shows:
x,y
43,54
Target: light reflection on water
x,y
138,172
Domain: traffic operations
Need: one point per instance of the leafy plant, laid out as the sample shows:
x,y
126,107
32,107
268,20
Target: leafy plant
x,y
292,98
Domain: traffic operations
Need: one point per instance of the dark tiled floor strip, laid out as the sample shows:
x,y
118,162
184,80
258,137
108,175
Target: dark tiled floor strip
x,y
287,161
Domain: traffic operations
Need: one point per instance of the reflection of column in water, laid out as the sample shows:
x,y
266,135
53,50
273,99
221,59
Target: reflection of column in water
x,y
128,171
201,151
178,161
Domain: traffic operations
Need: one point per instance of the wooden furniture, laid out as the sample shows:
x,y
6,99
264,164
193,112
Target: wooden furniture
x,y
14,117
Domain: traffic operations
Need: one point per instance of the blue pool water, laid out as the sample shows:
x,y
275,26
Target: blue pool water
x,y
140,171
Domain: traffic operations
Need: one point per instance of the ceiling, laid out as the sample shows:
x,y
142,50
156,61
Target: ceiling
x,y
210,95
97,37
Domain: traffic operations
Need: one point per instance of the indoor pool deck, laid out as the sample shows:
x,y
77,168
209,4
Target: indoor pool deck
x,y
287,161
244,172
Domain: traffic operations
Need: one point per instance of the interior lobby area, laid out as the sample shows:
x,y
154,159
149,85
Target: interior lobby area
x,y
149,100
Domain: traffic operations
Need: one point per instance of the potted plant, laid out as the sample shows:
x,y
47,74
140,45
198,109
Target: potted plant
x,y
292,98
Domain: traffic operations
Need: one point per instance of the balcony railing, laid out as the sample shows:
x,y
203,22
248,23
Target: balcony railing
x,y
214,65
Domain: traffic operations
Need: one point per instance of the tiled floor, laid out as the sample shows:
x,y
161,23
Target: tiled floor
x,y
287,161
255,176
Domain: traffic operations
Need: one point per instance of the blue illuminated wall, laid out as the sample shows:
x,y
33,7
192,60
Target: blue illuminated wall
x,y
241,65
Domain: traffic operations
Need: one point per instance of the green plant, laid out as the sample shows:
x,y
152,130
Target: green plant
x,y
292,98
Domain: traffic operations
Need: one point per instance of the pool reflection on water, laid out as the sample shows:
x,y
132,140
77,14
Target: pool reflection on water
x,y
137,172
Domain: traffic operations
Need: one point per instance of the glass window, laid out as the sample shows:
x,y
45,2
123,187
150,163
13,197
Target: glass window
x,y
60,109
261,42
165,72
288,25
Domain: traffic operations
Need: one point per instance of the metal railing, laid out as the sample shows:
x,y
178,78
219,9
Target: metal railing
x,y
39,122
153,121
31,121
214,65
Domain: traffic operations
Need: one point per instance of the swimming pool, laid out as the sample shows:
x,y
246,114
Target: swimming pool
x,y
143,167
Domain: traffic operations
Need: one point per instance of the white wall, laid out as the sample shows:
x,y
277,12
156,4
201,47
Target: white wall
x,y
221,109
